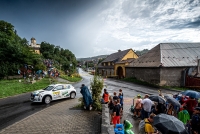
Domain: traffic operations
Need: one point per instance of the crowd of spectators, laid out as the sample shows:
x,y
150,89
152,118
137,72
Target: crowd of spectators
x,y
188,112
115,104
145,110
48,63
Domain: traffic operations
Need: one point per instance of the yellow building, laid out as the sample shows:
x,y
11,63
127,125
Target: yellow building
x,y
114,64
36,47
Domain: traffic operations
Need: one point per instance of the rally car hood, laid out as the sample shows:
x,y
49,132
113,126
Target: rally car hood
x,y
39,91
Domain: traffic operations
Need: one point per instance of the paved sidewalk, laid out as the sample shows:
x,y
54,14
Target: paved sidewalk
x,y
127,115
62,118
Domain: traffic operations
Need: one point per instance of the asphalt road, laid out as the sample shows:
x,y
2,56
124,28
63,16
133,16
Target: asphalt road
x,y
13,109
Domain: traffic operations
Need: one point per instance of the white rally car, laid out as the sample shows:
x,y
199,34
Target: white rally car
x,y
53,92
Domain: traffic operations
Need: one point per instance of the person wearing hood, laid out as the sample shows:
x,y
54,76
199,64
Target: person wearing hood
x,y
87,97
183,115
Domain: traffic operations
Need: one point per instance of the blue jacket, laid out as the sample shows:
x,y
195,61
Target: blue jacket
x,y
87,97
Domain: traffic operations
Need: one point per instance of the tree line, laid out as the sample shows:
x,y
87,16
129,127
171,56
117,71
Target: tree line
x,y
15,52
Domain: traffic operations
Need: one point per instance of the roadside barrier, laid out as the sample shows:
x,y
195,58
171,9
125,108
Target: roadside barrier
x,y
106,128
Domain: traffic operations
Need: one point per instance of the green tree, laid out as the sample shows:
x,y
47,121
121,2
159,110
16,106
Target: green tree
x,y
62,58
14,51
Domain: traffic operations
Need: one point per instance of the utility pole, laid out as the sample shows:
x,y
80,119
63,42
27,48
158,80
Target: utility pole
x,y
87,66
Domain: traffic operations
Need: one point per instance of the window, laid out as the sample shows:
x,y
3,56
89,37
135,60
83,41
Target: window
x,y
49,88
60,87
68,86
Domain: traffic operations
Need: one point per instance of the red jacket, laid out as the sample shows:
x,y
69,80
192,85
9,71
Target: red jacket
x,y
106,97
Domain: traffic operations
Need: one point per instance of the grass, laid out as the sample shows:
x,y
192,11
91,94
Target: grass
x,y
14,87
71,78
134,80
176,88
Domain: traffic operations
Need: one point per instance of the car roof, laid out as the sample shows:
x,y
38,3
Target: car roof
x,y
58,84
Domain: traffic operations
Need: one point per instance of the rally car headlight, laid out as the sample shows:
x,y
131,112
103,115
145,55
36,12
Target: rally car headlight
x,y
40,95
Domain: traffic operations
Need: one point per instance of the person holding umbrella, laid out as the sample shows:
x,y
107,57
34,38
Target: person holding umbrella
x,y
149,129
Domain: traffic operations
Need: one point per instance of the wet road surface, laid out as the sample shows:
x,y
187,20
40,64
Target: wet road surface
x,y
13,109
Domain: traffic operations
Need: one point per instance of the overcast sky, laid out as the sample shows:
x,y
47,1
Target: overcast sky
x,y
97,27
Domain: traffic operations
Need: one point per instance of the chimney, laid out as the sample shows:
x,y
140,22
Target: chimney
x,y
119,50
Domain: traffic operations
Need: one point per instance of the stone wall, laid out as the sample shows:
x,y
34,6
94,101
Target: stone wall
x,y
151,75
171,76
106,128
164,76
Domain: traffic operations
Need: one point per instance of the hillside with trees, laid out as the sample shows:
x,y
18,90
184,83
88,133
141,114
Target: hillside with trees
x,y
15,53
90,62
140,53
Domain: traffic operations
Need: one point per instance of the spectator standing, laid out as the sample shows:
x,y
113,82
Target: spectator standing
x,y
121,109
115,97
138,106
161,108
146,106
116,113
87,97
195,121
105,96
121,100
110,106
183,115
170,110
149,129
183,99
120,91
191,103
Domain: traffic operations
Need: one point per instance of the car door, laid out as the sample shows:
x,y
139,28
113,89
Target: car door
x,y
65,91
57,92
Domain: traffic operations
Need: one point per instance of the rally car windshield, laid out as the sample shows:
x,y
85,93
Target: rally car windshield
x,y
49,88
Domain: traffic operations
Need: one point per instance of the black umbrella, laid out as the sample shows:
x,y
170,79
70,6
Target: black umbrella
x,y
173,101
157,98
168,124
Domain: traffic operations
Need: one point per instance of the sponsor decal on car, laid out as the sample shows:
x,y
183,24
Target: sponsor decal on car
x,y
65,93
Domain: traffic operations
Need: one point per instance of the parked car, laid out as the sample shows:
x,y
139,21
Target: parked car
x,y
53,92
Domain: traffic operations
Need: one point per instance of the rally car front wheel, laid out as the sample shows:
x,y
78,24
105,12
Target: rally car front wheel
x,y
72,95
47,99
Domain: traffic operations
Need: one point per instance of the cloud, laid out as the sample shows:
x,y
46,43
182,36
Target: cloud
x,y
143,24
89,28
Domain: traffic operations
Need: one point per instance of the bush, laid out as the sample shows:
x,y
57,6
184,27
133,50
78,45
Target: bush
x,y
96,85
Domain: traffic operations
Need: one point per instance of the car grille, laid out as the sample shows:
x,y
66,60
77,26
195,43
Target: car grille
x,y
32,96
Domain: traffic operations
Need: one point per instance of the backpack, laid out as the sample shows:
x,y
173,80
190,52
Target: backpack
x,y
142,127
132,109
